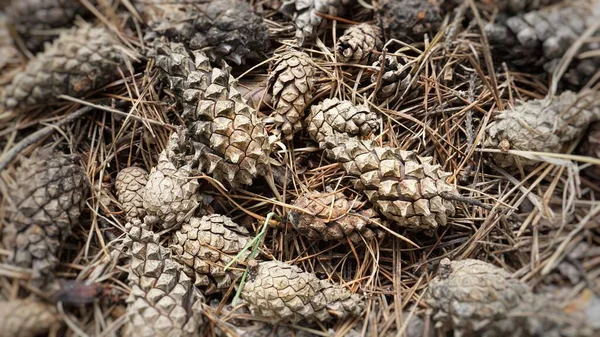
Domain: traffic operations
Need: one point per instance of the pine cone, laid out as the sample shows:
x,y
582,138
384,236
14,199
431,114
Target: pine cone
x,y
25,318
306,16
409,19
292,85
79,61
331,216
228,138
224,29
541,125
395,77
590,146
403,186
543,36
162,301
358,43
49,195
280,291
170,196
34,20
130,184
206,246
478,299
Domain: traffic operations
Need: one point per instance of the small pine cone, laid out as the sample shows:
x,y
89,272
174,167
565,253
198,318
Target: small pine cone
x,y
206,246
395,77
170,196
49,195
292,86
335,116
34,20
541,125
224,29
331,216
357,44
590,146
79,61
162,301
130,184
306,16
542,37
25,318
281,291
409,19
476,298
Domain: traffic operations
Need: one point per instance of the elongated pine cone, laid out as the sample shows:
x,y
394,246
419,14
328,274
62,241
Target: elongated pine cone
x,y
409,19
49,195
224,29
170,196
79,61
306,16
281,291
476,298
395,77
292,86
130,184
206,246
162,301
541,125
26,318
331,216
34,20
542,37
229,140
358,43
590,146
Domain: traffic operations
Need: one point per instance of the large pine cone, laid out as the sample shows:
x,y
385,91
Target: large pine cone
x,y
162,301
49,196
306,16
79,61
280,291
590,146
475,298
292,86
34,20
331,216
130,184
26,318
409,19
358,43
224,29
541,125
206,246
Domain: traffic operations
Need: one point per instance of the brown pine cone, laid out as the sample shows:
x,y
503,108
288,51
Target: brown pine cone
x,y
590,146
395,77
130,184
306,16
206,246
292,86
475,298
35,20
25,318
170,196
280,291
79,61
162,301
49,195
541,125
224,29
331,216
226,136
409,19
357,44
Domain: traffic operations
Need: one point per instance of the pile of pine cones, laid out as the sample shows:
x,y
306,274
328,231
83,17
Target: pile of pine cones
x,y
270,168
